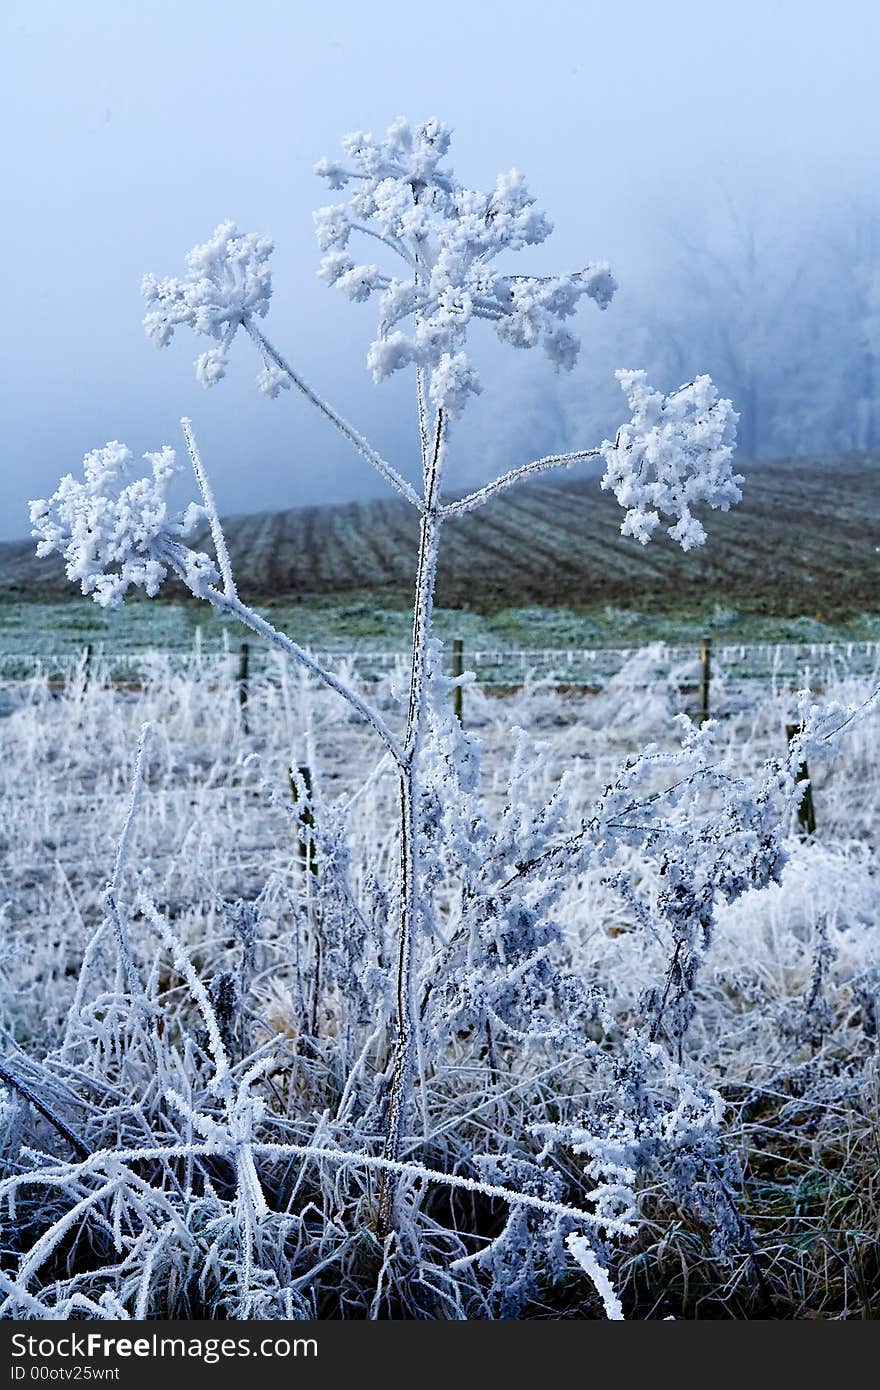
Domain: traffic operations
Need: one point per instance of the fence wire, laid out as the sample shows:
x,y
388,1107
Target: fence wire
x,y
802,663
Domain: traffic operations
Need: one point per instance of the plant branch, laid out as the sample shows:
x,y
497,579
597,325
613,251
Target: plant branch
x,y
388,472
407,1020
115,908
528,470
210,507
231,604
388,241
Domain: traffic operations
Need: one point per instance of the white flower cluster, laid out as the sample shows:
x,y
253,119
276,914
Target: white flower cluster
x,y
448,236
674,454
115,533
228,282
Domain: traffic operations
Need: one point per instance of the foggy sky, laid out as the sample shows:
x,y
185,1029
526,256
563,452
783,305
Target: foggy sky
x,y
133,129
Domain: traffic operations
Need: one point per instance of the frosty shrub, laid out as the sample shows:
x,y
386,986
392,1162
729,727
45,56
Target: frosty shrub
x,y
425,1108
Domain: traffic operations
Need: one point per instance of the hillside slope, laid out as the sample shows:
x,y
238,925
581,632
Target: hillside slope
x,y
806,539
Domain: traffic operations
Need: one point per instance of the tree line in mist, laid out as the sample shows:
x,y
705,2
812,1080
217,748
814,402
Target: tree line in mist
x,y
785,317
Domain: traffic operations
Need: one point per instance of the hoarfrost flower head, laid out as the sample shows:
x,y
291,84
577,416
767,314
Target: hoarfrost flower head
x,y
674,454
228,282
113,528
447,236
452,381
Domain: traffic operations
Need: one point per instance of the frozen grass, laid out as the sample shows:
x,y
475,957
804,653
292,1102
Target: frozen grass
x,y
212,1195
65,626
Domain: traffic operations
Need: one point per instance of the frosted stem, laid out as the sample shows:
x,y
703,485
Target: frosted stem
x,y
210,507
230,604
137,780
404,1051
28,1094
114,907
391,242
528,470
388,472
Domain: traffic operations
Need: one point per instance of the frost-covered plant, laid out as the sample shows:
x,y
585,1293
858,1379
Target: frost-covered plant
x,y
228,283
448,237
119,1198
674,454
459,939
114,529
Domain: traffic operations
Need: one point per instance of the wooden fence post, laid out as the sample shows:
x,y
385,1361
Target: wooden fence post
x,y
457,670
308,857
705,678
806,812
244,658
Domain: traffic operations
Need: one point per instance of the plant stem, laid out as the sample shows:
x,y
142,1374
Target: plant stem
x,y
404,1050
366,450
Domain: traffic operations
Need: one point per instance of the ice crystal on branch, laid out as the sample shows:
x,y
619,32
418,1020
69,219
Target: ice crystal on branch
x,y
114,531
674,454
228,283
447,236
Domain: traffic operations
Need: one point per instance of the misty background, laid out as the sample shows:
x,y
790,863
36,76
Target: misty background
x,y
723,158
